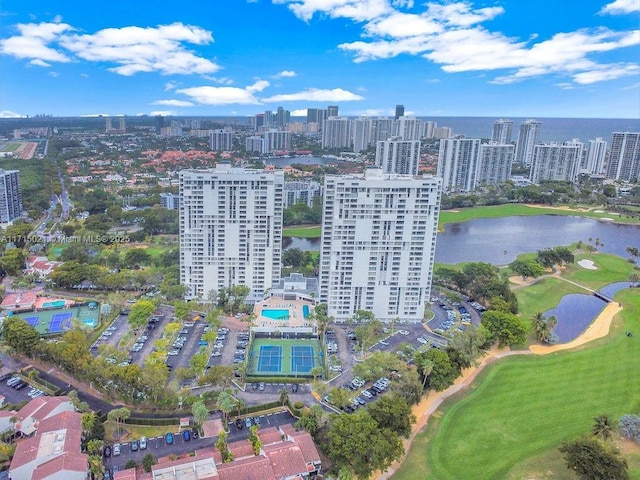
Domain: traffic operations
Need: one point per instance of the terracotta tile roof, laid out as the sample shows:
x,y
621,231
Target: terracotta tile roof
x,y
270,435
307,447
287,429
241,449
254,468
286,459
39,408
67,462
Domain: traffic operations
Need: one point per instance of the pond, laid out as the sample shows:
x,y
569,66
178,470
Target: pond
x,y
577,311
500,240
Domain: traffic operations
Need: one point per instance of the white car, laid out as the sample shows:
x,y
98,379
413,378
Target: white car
x,y
422,340
365,393
403,332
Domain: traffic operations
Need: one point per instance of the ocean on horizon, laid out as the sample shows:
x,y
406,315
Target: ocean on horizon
x,y
551,129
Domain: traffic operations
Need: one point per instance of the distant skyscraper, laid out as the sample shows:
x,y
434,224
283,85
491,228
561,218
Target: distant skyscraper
x,y
399,111
169,201
312,115
458,163
362,133
230,229
382,128
398,156
426,129
527,138
502,131
554,161
259,120
378,244
624,157
408,128
332,111
111,129
269,118
159,123
336,133
10,196
596,156
442,132
494,164
278,140
221,140
283,117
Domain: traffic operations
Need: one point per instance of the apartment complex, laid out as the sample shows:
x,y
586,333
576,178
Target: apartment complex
x,y
624,157
458,163
305,192
221,140
555,161
495,162
596,156
10,196
527,138
378,244
502,131
230,229
396,155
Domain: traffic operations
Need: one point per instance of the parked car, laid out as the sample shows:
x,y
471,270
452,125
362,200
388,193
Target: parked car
x,y
194,434
143,443
261,386
106,451
116,449
134,445
239,424
169,438
186,435
247,422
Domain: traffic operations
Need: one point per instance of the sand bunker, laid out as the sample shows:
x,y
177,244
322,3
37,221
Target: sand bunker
x,y
588,264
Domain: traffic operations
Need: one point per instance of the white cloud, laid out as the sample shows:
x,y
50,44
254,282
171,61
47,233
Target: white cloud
x,y
620,7
162,113
95,115
53,74
173,103
451,34
220,80
316,95
135,49
285,73
131,49
299,113
39,63
10,114
606,72
358,10
33,42
170,86
57,19
84,75
375,112
208,95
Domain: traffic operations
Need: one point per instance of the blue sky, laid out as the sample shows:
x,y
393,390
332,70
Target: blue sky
x,y
548,58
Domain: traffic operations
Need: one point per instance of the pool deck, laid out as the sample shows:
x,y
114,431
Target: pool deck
x,y
296,317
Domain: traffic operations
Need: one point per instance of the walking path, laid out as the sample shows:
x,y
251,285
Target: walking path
x,y
429,404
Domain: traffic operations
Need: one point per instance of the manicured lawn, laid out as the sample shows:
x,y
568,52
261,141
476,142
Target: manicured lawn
x,y
11,147
465,214
524,407
611,269
135,431
543,296
304,231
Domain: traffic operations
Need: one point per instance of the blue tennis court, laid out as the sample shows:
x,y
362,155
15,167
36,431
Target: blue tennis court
x,y
302,358
270,358
33,321
57,323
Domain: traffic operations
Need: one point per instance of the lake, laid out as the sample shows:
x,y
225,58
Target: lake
x,y
500,240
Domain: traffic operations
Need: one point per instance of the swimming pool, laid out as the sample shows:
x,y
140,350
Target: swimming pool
x,y
276,313
305,311
56,304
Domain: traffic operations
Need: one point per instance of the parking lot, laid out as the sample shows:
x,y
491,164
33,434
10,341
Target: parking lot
x,y
153,332
15,395
158,447
189,337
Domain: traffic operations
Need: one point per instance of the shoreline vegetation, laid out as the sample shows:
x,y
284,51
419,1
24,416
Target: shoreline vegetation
x,y
564,385
498,211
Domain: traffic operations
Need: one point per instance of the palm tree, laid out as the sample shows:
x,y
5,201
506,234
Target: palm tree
x,y
226,402
96,467
426,366
634,278
603,427
284,396
538,325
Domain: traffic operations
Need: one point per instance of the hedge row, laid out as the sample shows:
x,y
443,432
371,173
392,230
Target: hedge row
x,y
153,421
264,406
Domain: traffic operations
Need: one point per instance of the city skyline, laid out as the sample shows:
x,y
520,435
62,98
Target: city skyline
x,y
440,59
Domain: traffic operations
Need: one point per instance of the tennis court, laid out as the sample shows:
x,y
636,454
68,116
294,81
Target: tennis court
x,y
59,321
284,357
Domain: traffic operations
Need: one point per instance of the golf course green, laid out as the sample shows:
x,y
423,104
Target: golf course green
x,y
517,412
